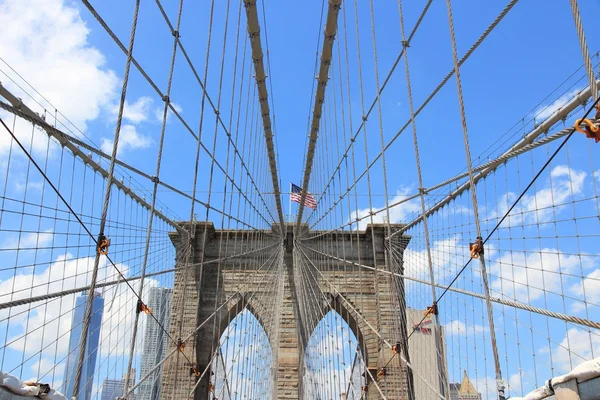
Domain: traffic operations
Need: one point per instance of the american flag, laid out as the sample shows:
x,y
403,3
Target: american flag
x,y
309,200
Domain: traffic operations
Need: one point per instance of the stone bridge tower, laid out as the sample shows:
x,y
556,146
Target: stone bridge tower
x,y
356,299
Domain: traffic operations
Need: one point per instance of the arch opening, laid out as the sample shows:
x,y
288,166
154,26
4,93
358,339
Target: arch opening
x,y
334,361
242,365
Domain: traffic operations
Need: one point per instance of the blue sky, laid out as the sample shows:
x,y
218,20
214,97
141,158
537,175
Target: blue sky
x,y
530,61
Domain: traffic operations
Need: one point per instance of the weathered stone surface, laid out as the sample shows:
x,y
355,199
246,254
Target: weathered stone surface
x,y
369,301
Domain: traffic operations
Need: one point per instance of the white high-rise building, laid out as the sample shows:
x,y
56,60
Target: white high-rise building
x,y
155,342
424,354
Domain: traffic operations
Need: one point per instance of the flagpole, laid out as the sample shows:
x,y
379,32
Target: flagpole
x,y
290,208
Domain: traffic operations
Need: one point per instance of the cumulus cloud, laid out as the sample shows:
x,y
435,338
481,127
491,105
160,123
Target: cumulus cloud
x,y
137,112
129,139
44,329
590,286
47,43
46,366
459,328
398,213
486,386
577,346
28,240
564,184
525,276
159,111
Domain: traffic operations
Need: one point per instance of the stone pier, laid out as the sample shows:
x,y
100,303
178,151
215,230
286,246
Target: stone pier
x,y
361,296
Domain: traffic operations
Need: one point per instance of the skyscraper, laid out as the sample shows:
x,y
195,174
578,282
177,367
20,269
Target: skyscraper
x,y
111,389
155,342
423,352
93,338
114,388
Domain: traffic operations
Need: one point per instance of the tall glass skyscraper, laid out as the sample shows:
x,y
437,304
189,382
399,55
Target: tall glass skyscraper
x,y
91,348
155,342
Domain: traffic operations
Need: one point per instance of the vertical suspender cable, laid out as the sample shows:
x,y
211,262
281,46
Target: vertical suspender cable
x,y
589,69
153,202
90,299
438,338
499,382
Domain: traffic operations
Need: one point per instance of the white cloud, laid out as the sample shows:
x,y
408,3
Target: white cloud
x,y
575,348
565,184
591,286
47,367
486,386
45,328
397,213
515,383
544,112
456,328
30,186
159,111
28,240
47,43
129,139
137,112
525,276
447,256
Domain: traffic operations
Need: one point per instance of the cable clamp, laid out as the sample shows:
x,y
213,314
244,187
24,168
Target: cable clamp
x,y
166,99
476,248
195,372
211,387
141,307
590,130
405,43
432,309
180,345
155,180
381,373
103,244
396,348
364,389
175,34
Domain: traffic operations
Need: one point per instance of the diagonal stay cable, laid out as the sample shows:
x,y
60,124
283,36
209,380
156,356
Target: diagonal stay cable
x,y
200,325
49,296
126,281
468,54
498,300
172,108
66,203
506,214
377,97
370,326
55,189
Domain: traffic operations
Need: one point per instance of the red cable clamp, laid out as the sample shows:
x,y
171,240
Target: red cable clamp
x,y
142,307
432,309
476,248
103,243
591,131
